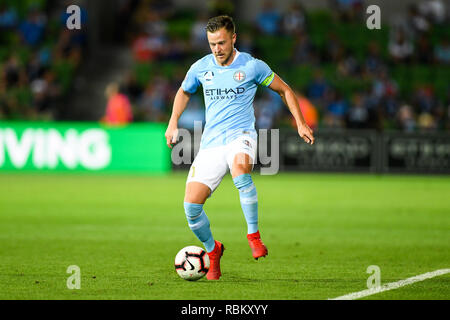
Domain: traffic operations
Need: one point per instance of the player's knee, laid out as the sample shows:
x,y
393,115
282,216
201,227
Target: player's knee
x,y
193,210
241,169
243,182
196,193
197,220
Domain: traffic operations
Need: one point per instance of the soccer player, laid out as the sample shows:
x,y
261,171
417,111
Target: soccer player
x,y
229,79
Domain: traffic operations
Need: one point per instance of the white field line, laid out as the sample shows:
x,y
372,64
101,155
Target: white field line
x,y
392,285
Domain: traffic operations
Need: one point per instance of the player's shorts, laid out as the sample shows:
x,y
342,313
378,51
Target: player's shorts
x,y
211,164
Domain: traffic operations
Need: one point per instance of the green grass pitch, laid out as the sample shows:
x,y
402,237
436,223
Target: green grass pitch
x,y
322,232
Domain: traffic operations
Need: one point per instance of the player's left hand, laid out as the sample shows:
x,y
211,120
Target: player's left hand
x,y
306,133
171,135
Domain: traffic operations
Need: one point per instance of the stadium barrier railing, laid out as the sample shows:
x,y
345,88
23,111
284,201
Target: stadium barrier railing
x,y
141,148
363,151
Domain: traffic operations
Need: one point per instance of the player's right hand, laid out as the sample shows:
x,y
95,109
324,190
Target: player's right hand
x,y
171,136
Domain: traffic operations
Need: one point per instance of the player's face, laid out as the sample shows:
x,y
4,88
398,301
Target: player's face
x,y
222,43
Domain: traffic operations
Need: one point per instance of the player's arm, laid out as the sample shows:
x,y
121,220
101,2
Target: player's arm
x,y
179,104
291,101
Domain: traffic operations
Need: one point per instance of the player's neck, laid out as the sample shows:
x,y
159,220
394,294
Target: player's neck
x,y
230,59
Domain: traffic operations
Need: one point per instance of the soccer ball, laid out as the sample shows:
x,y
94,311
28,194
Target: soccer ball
x,y
192,263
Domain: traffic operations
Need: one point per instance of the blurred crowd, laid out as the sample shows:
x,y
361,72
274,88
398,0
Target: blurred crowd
x,y
159,41
38,56
339,85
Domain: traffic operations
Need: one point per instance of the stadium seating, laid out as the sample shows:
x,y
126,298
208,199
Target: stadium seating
x,y
12,45
277,50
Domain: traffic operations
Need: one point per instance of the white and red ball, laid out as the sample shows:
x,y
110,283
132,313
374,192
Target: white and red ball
x,y
192,263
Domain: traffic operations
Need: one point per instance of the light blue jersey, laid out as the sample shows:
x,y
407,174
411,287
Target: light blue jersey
x,y
228,93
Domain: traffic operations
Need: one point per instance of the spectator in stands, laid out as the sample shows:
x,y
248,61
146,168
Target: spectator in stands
x,y
417,21
294,19
400,47
153,102
384,93
67,49
44,90
142,50
426,122
34,71
245,43
152,41
424,51
8,17
34,67
336,111
358,116
334,49
302,51
267,109
318,88
383,85
373,61
442,51
348,66
434,10
378,106
348,10
176,49
118,109
269,19
424,99
144,108
406,119
264,114
198,40
32,28
12,71
154,25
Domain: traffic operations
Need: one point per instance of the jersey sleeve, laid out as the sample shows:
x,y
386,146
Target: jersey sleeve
x,y
263,74
190,82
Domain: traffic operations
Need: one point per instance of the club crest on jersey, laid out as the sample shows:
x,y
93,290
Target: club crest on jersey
x,y
208,76
239,76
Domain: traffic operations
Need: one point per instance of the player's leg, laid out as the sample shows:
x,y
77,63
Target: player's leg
x,y
241,169
204,176
242,165
194,199
196,192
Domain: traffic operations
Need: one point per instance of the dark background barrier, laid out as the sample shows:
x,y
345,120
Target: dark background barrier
x,y
353,151
424,153
333,151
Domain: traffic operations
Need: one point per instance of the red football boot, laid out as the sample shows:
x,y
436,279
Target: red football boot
x,y
258,248
214,261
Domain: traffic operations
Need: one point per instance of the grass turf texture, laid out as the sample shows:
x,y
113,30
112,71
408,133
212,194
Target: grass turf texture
x,y
322,231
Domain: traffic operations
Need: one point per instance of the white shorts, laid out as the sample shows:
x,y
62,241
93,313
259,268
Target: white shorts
x,y
211,164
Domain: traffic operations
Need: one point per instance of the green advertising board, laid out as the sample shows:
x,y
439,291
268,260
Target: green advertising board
x,y
83,147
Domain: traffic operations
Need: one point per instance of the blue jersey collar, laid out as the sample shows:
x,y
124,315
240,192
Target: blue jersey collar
x,y
235,58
